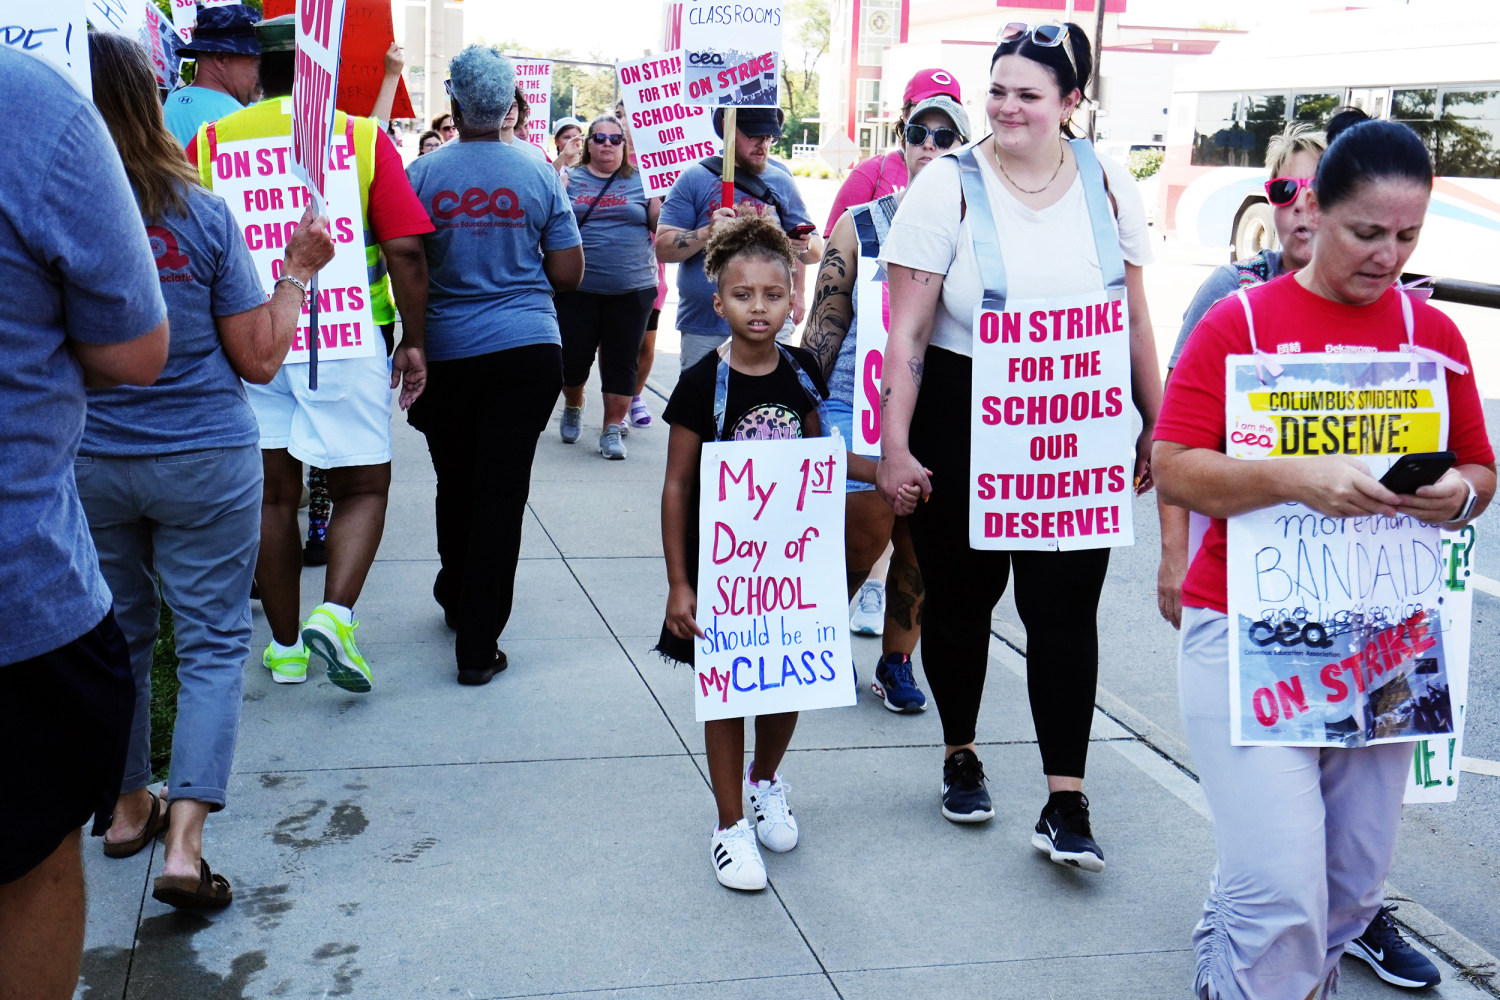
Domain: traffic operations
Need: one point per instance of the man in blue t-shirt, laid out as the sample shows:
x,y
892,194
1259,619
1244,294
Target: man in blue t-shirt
x,y
694,208
228,74
82,304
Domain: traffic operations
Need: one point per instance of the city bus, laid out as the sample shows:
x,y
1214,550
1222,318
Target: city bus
x,y
1434,66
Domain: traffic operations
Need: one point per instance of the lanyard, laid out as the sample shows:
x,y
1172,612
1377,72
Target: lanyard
x,y
721,393
985,235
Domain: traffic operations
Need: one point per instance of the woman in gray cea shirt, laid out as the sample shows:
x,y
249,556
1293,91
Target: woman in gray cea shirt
x,y
607,314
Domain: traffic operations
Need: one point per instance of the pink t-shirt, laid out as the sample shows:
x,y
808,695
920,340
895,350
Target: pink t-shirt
x,y
870,179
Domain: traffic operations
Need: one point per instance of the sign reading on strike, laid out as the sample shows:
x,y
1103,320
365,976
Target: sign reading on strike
x,y
53,32
668,133
772,597
872,319
320,26
732,52
1052,439
256,178
534,78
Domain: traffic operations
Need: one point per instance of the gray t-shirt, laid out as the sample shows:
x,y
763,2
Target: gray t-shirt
x,y
617,254
693,198
495,211
74,263
1225,280
205,271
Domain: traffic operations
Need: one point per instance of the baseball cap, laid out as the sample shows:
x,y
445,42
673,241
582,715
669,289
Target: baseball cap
x,y
947,106
568,122
278,34
931,82
229,29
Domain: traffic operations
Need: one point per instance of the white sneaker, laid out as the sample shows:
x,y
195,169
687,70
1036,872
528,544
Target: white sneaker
x,y
736,859
869,609
774,823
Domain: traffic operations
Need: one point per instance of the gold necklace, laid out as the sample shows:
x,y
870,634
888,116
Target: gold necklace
x,y
999,163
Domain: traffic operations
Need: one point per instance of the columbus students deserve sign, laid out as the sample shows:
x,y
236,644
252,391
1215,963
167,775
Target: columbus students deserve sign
x,y
1343,631
1052,433
772,594
534,80
255,177
669,134
732,52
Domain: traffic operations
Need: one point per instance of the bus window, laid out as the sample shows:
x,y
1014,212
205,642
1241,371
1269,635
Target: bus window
x,y
1216,132
1265,116
1418,108
1314,108
1469,134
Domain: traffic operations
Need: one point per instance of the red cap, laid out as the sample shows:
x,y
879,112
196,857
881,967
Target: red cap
x,y
931,82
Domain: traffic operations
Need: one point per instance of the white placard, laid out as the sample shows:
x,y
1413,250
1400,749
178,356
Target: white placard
x,y
772,590
872,318
53,32
320,29
534,78
184,18
668,133
257,179
732,53
1435,762
1052,436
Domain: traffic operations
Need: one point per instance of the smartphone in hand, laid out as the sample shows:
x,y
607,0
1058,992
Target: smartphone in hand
x,y
1416,470
800,232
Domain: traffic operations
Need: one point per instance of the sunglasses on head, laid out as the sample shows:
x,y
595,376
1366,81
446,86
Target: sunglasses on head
x,y
942,138
1282,191
600,138
1050,35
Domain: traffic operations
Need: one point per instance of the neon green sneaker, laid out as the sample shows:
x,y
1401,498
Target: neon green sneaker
x,y
331,641
288,668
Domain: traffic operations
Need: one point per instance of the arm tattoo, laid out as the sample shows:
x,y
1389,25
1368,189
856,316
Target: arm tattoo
x,y
885,397
683,240
922,277
832,309
916,367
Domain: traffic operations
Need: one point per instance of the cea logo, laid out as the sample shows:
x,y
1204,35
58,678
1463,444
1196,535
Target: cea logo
x,y
164,249
705,59
477,202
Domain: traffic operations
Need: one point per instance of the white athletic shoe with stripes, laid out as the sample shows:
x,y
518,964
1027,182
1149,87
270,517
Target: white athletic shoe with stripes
x,y
774,824
736,858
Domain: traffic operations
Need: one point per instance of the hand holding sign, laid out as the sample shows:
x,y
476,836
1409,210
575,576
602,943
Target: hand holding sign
x,y
682,612
310,247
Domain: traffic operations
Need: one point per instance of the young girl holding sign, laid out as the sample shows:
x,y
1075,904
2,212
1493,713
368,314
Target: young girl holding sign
x,y
769,392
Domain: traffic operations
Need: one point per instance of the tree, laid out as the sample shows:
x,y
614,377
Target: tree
x,y
809,35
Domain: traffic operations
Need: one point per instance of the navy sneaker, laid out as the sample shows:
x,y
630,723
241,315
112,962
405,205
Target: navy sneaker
x,y
894,683
1063,832
966,798
1391,956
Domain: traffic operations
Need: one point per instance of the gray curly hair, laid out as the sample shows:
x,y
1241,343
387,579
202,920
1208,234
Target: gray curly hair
x,y
482,84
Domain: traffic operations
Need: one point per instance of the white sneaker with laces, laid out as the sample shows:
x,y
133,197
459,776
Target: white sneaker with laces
x,y
869,609
736,859
774,824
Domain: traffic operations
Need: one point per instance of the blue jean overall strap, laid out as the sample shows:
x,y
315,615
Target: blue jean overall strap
x,y
721,393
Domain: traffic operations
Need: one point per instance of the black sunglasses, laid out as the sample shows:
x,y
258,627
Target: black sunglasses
x,y
941,137
599,138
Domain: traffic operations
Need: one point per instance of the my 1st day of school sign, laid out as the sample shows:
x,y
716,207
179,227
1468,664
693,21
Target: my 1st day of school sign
x,y
772,591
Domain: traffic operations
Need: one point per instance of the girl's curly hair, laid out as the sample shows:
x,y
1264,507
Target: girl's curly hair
x,y
749,235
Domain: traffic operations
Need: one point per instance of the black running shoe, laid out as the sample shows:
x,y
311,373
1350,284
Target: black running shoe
x,y
1063,832
966,797
1392,956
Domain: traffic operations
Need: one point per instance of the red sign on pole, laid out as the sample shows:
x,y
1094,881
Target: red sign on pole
x,y
367,35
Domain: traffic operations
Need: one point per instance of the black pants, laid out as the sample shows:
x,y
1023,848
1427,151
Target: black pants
x,y
482,417
1057,593
612,326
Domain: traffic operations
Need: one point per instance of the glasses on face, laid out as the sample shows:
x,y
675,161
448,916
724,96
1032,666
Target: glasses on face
x,y
1282,191
600,138
1049,35
448,128
942,138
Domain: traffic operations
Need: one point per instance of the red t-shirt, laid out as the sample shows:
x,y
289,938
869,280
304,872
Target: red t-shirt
x,y
1289,319
871,179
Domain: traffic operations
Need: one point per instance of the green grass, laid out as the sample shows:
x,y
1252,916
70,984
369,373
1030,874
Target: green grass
x,y
163,695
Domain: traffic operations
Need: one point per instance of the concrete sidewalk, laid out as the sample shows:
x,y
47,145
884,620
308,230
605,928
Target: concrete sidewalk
x,y
547,835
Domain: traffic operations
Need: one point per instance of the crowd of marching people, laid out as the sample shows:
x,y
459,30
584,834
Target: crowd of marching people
x,y
159,440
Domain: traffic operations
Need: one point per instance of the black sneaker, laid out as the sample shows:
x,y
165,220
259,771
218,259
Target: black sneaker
x,y
966,798
1391,956
315,553
474,676
1063,832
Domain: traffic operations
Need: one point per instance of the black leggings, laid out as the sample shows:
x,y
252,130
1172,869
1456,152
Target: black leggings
x,y
1057,593
611,325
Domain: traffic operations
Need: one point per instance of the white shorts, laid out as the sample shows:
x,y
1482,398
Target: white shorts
x,y
346,422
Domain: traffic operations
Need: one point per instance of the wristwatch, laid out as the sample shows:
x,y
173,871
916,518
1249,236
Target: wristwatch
x,y
1468,508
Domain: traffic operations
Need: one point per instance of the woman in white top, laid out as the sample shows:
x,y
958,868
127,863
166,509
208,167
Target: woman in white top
x,y
1058,222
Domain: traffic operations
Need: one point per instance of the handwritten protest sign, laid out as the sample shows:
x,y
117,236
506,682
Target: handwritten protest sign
x,y
320,25
54,32
534,79
772,592
256,178
1052,436
1340,628
668,133
872,321
367,36
732,52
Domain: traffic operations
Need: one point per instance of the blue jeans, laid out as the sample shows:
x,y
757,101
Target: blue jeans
x,y
193,520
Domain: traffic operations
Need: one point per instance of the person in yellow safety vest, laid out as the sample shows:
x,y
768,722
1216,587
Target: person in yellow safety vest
x,y
343,427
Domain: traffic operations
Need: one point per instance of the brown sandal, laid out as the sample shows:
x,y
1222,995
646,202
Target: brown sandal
x,y
156,824
206,892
